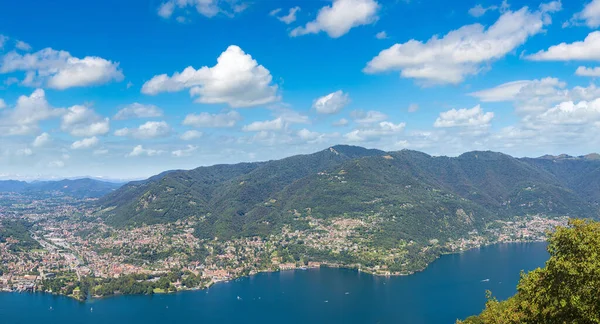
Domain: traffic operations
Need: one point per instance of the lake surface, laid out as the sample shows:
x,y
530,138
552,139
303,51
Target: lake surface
x,y
452,287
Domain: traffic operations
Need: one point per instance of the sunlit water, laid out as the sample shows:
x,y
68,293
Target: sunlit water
x,y
452,287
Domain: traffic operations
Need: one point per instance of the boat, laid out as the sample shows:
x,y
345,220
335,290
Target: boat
x,y
485,280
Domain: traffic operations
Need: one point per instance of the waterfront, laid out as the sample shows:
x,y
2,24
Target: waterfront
x,y
451,287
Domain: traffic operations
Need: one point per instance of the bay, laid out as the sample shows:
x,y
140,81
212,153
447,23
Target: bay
x,y
451,287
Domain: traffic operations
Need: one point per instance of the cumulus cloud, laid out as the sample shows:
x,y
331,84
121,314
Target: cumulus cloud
x,y
570,113
236,80
41,140
82,121
2,103
139,150
587,71
205,119
191,135
533,96
207,8
374,132
85,143
148,130
331,103
138,110
588,49
474,117
460,53
590,15
27,113
185,152
59,70
341,16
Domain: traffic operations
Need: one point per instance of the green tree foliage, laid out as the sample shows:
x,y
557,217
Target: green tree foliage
x,y
566,290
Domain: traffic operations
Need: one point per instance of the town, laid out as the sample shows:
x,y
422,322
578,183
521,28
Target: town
x,y
63,248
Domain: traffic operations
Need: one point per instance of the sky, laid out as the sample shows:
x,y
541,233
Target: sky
x,y
128,89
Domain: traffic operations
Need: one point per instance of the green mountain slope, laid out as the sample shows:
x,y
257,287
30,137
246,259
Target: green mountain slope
x,y
415,196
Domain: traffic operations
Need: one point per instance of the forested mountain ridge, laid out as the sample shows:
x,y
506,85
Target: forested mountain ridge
x,y
417,197
78,188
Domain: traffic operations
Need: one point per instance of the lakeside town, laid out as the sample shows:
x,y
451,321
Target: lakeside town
x,y
72,250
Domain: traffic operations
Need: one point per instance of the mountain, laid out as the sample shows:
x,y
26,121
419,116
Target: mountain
x,y
417,196
78,188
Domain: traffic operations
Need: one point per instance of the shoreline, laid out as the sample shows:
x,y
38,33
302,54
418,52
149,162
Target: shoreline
x,y
303,268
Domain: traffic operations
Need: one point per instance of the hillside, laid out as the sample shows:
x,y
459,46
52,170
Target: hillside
x,y
78,188
418,197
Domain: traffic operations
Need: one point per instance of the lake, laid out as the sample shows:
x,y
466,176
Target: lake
x,y
451,287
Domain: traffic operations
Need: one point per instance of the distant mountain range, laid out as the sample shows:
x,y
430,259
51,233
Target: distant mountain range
x,y
78,188
427,197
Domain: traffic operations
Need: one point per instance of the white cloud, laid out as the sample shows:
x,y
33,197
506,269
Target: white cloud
x,y
533,96
413,107
474,117
205,119
289,18
140,150
381,35
511,90
138,110
186,152
570,113
588,72
207,8
23,46
236,80
590,15
148,130
331,103
85,143
337,19
24,152
166,9
59,70
41,140
369,117
191,135
588,49
480,10
374,132
275,12
2,103
27,113
82,121
460,53
341,122
267,125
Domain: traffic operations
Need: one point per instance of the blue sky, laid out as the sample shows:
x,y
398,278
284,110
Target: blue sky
x,y
127,89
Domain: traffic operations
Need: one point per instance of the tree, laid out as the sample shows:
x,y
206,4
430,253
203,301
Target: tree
x,y
566,290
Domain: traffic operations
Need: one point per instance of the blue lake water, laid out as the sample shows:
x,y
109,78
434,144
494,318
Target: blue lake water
x,y
452,287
